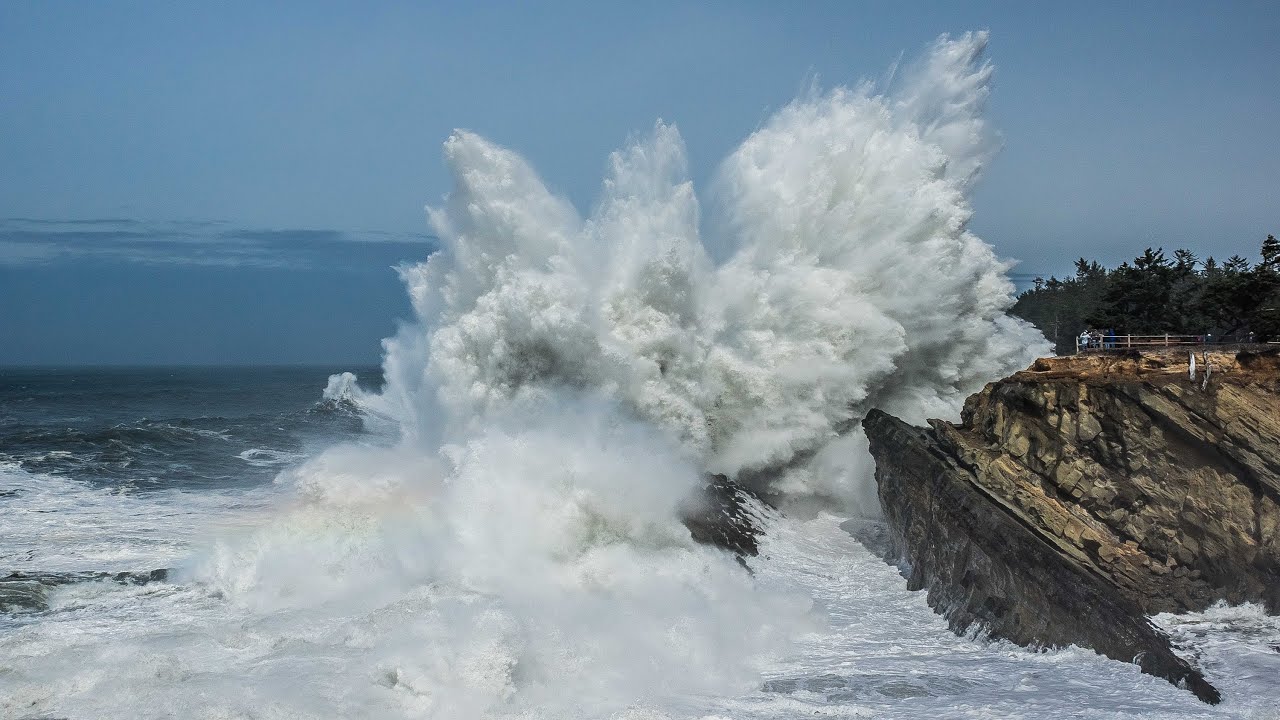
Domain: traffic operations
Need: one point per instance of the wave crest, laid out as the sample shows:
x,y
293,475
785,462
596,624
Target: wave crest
x,y
848,280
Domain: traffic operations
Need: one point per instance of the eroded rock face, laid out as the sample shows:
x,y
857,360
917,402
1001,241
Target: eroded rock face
x,y
1084,493
1166,487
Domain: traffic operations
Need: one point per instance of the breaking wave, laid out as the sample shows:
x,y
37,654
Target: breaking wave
x,y
569,381
848,280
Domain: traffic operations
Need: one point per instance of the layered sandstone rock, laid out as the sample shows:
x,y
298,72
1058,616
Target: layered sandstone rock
x,y
1080,495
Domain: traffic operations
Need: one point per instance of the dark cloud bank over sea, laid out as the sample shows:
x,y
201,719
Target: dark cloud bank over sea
x,y
127,292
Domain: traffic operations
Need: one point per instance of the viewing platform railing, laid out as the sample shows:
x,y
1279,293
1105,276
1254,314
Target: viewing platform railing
x,y
1123,342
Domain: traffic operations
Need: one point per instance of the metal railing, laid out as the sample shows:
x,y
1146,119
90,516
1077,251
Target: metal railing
x,y
1123,342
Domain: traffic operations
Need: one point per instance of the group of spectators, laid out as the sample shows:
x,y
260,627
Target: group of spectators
x,y
1098,339
1108,340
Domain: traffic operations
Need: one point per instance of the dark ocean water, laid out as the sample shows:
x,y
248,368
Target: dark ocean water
x,y
143,429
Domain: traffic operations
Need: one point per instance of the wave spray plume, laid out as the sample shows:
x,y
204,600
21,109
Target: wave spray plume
x,y
570,380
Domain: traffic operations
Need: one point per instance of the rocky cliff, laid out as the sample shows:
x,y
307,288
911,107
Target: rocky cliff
x,y
1081,495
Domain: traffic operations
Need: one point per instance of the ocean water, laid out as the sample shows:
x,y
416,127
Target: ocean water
x,y
487,526
163,439
110,471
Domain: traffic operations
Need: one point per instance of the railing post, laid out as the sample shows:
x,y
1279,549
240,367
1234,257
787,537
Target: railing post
x,y
1166,339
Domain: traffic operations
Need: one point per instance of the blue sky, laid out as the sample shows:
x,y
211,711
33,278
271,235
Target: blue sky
x,y
232,182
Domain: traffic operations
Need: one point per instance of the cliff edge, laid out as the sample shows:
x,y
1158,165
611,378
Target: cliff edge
x,y
1083,494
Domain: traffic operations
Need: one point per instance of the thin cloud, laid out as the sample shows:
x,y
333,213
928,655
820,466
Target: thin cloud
x,y
21,253
293,236
44,222
287,236
27,241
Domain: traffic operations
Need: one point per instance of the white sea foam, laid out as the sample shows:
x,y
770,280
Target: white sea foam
x,y
266,457
165,650
552,543
51,523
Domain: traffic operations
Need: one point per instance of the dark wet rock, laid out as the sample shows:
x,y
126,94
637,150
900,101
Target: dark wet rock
x,y
984,569
1081,495
726,515
21,594
28,591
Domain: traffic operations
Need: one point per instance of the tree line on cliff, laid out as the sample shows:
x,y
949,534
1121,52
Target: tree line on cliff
x,y
1156,294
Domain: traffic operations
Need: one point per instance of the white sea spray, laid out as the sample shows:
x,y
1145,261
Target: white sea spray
x,y
847,280
569,379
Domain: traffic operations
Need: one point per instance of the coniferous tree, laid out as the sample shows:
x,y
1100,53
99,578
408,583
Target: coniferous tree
x,y
1271,253
1186,292
1265,320
1155,295
1137,297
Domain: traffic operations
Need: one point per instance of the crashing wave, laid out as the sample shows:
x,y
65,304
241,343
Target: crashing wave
x,y
849,280
342,390
570,380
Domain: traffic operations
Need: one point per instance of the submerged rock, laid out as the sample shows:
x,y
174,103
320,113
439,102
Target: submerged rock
x,y
29,590
1081,495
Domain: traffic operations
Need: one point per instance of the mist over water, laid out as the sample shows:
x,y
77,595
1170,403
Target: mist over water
x,y
502,539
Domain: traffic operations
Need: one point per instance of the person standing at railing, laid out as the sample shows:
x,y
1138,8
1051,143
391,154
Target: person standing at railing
x,y
1110,342
1084,340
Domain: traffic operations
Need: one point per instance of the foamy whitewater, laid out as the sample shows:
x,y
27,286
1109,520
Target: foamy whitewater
x,y
502,540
